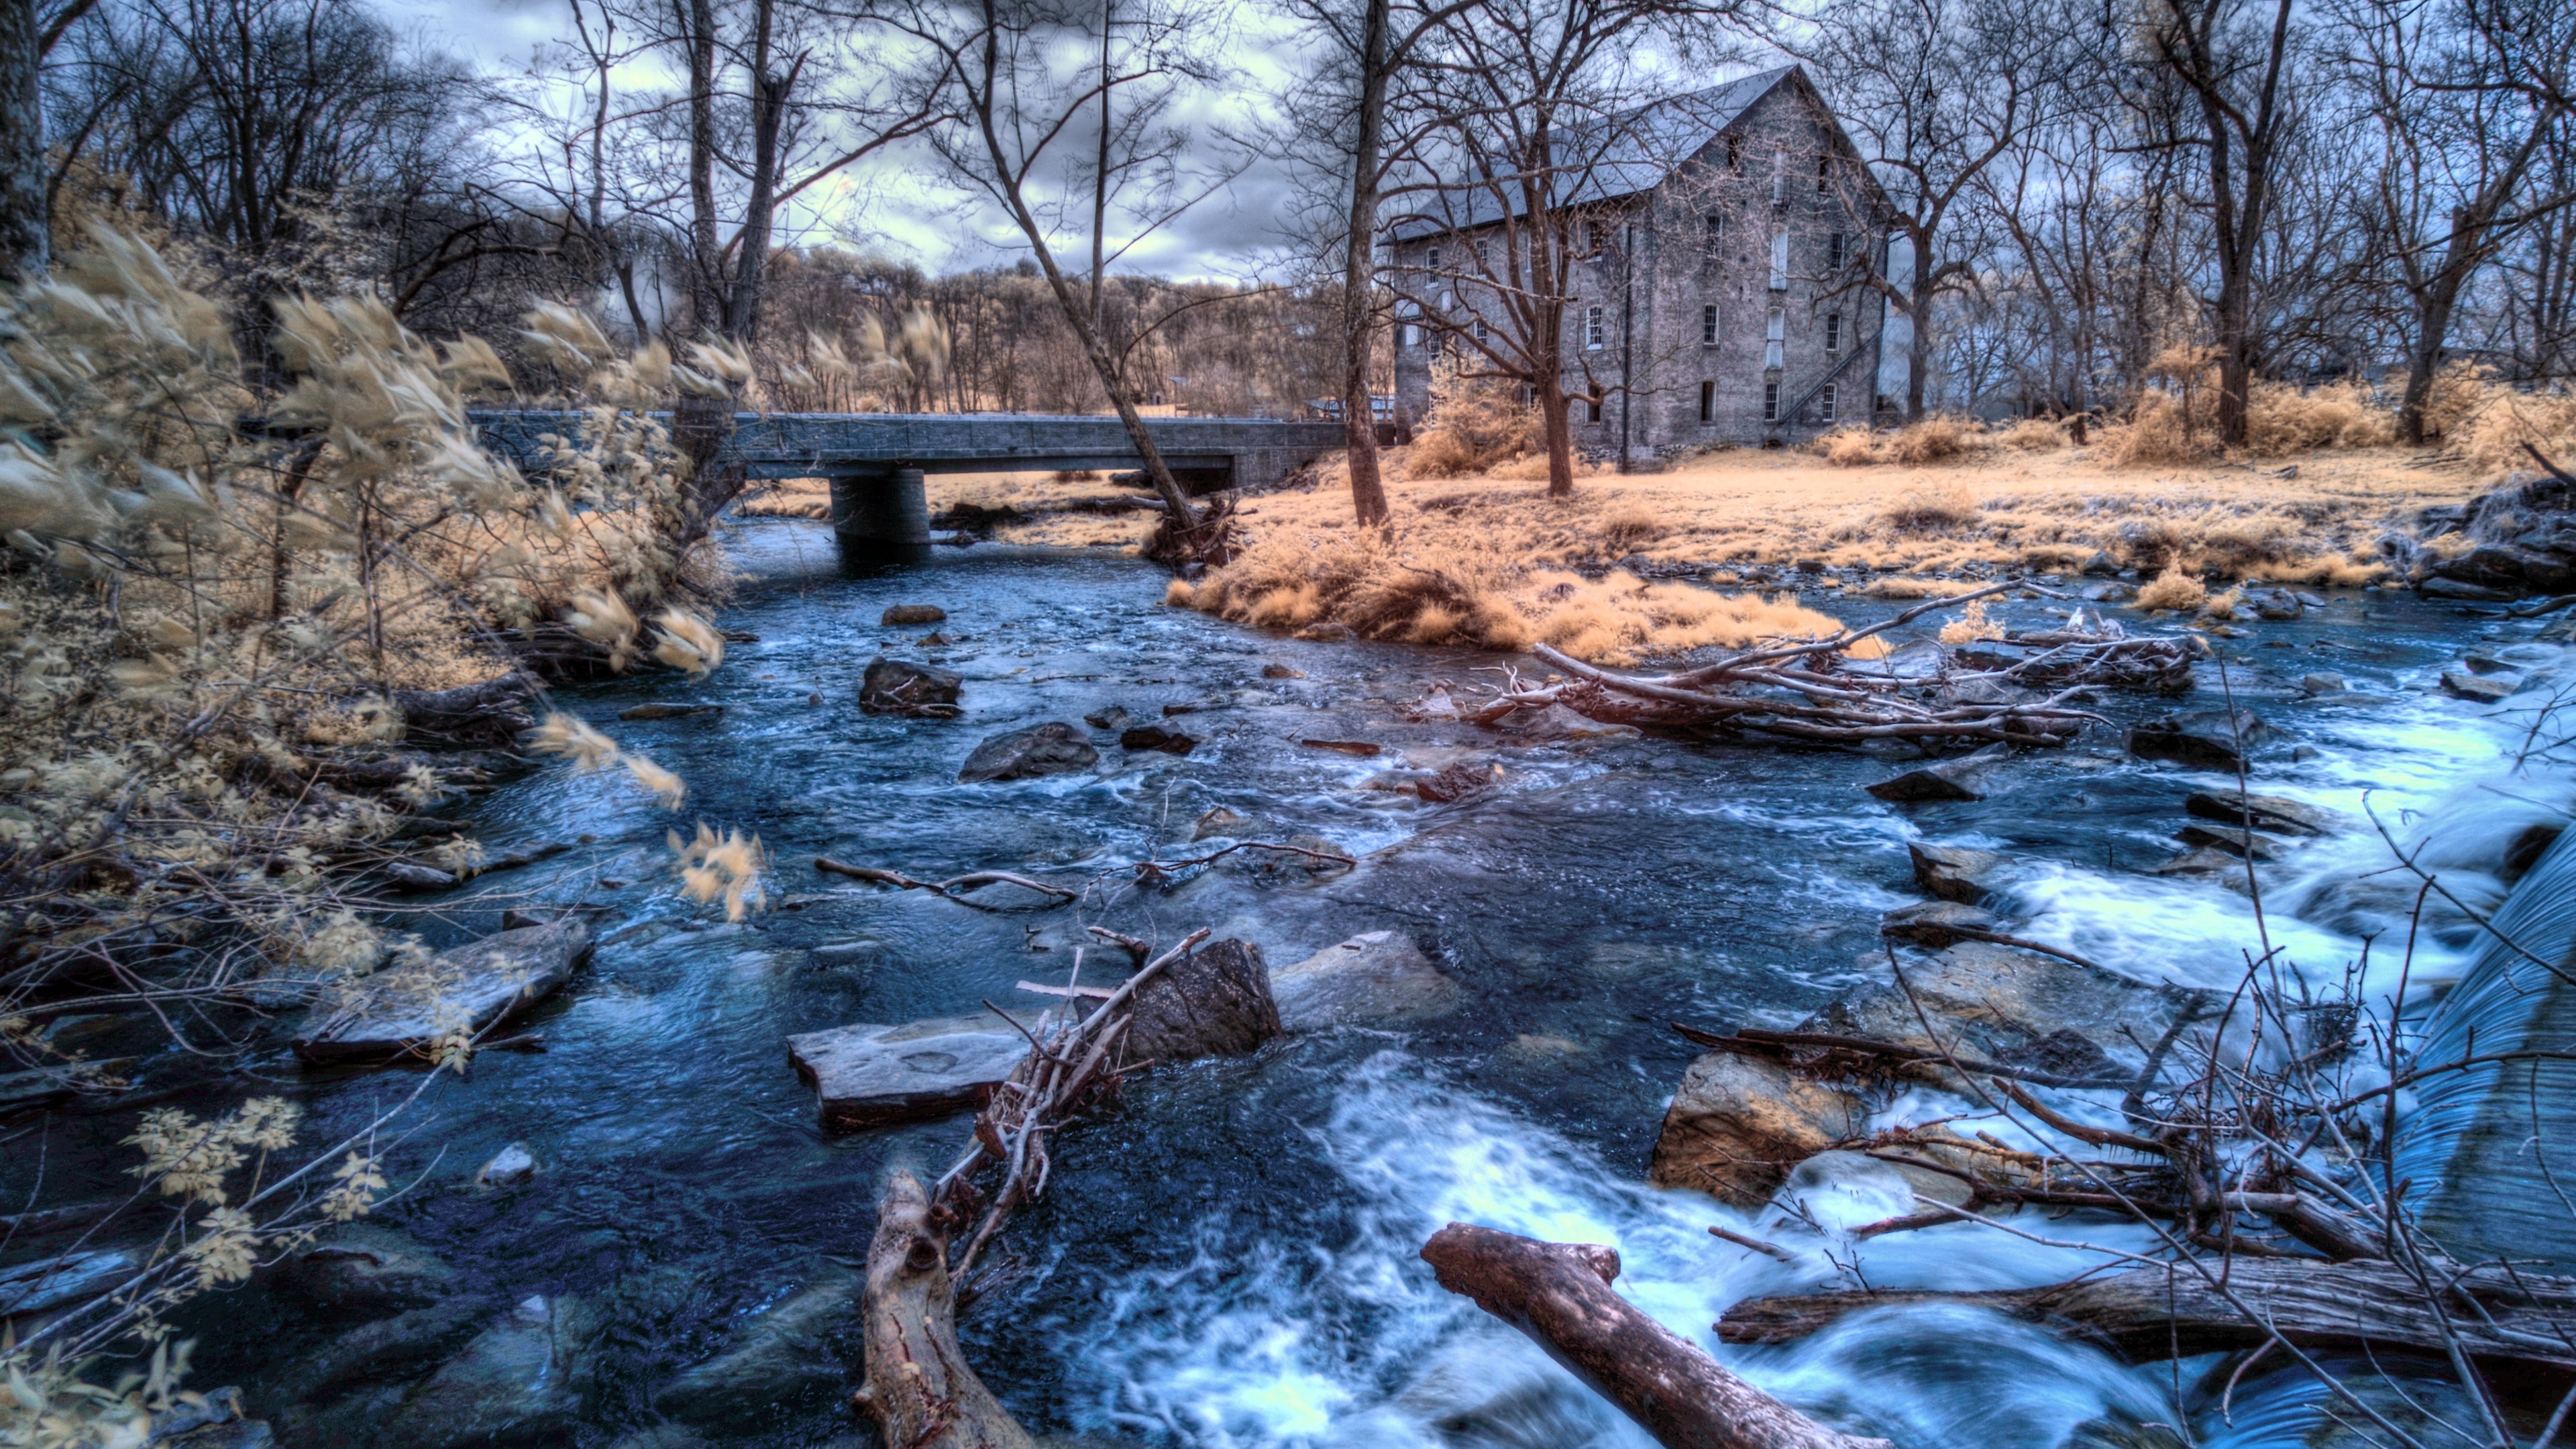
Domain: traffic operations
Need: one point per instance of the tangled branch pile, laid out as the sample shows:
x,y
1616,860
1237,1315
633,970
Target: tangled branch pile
x,y
1822,689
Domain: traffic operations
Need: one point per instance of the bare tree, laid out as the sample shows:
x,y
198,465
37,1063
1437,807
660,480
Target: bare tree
x,y
1368,50
2236,61
2465,97
1014,127
1937,91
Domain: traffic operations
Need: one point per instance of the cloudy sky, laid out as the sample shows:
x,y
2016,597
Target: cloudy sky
x,y
897,208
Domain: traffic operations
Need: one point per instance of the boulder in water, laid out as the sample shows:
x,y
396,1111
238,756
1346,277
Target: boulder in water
x,y
2465,593
901,614
1738,1124
510,1166
1937,923
1373,977
1115,717
1214,1001
2212,739
1048,749
2477,689
1155,737
2234,840
867,1075
896,686
1558,725
2276,814
402,1011
2017,1007
1956,873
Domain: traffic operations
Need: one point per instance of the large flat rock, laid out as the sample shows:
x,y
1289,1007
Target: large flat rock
x,y
468,988
1376,976
2020,1008
866,1075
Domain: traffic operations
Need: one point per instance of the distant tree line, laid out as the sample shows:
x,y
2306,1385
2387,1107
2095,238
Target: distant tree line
x,y
2090,197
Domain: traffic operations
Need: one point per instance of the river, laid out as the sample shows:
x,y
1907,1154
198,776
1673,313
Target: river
x,y
1226,1257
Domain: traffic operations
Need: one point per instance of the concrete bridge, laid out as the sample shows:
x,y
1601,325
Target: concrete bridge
x,y
876,461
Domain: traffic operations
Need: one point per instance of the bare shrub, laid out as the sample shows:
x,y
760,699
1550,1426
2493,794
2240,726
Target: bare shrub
x,y
1931,440
1473,425
1631,525
2495,436
2173,589
2033,435
1849,447
1931,509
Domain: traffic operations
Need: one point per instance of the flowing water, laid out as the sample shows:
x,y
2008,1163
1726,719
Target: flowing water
x,y
1227,1255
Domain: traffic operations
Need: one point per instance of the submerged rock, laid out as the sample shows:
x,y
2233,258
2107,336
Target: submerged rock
x,y
669,711
1215,1001
2209,738
894,686
1375,976
400,1012
1738,1124
519,1381
1963,778
1219,822
800,1349
900,614
2233,840
867,1075
1048,749
1557,724
1115,717
369,1268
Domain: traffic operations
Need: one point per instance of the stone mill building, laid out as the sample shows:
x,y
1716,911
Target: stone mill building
x,y
1725,240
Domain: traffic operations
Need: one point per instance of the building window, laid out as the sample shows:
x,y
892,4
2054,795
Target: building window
x,y
1708,325
1431,259
1477,328
1837,251
1592,408
1775,334
1780,262
1825,402
1779,176
1833,332
1734,153
1770,402
1707,403
1591,329
1406,336
1824,172
1716,232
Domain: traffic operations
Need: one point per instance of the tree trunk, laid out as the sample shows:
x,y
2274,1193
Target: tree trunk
x,y
23,226
2151,1313
919,1388
1359,310
1918,342
2432,325
1559,1295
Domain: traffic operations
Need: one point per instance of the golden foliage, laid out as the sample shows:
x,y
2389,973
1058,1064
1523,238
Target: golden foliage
x,y
2173,589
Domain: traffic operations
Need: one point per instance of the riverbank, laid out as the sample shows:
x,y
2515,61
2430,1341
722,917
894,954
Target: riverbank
x,y
1226,1258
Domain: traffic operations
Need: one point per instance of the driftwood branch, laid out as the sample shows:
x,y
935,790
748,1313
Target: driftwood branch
x,y
919,1388
1559,1295
2153,1313
954,888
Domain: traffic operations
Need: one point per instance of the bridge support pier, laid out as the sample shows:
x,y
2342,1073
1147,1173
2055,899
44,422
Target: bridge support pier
x,y
881,516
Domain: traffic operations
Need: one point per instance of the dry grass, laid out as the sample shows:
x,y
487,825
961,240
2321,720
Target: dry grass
x,y
2000,508
1477,576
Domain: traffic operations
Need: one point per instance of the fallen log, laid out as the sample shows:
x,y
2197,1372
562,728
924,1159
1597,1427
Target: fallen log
x,y
1559,1295
2153,1313
492,713
919,1387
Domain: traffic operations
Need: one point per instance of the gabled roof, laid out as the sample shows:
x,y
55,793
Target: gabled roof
x,y
1647,144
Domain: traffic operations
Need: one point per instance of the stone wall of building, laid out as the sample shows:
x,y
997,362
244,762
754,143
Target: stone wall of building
x,y
1662,263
